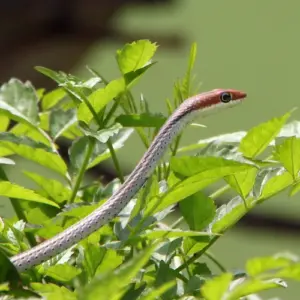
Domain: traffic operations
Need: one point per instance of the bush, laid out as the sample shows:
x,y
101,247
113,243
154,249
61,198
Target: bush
x,y
138,255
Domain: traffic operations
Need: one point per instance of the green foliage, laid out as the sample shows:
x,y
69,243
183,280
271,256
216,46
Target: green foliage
x,y
138,255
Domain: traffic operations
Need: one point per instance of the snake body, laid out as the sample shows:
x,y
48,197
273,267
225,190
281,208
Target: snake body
x,y
202,103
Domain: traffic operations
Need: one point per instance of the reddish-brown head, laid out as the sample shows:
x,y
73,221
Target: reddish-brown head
x,y
217,98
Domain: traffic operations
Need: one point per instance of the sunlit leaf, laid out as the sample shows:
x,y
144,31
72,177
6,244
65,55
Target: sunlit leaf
x,y
4,122
228,214
288,154
174,233
216,288
135,55
99,99
251,286
19,102
52,98
290,272
275,185
259,137
258,265
53,292
37,152
56,190
60,121
62,272
11,190
242,182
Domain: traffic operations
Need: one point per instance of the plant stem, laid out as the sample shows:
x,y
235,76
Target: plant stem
x,y
198,254
220,191
216,262
115,160
82,170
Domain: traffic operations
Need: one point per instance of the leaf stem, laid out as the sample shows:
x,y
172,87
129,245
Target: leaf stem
x,y
115,160
90,148
215,261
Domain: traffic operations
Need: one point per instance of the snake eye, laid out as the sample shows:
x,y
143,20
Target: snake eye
x,y
225,97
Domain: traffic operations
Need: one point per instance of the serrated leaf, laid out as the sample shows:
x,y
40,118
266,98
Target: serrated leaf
x,y
132,77
141,120
53,292
204,175
216,288
242,182
174,233
19,102
192,245
158,291
52,98
258,138
252,286
258,265
111,285
99,99
32,150
103,135
135,55
288,154
11,190
228,214
60,121
54,189
62,272
275,185
228,138
198,210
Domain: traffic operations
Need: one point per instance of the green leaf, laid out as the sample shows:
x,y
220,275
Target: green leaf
x,y
8,271
191,165
102,135
174,233
216,288
99,99
112,285
132,77
100,152
203,175
158,291
275,185
259,265
259,137
56,190
4,122
10,190
19,102
192,245
60,121
110,261
230,213
295,189
288,154
52,98
198,210
53,292
252,286
228,138
290,272
141,120
242,182
62,272
37,152
135,55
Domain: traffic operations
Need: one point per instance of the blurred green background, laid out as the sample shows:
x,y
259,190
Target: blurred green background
x,y
249,45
